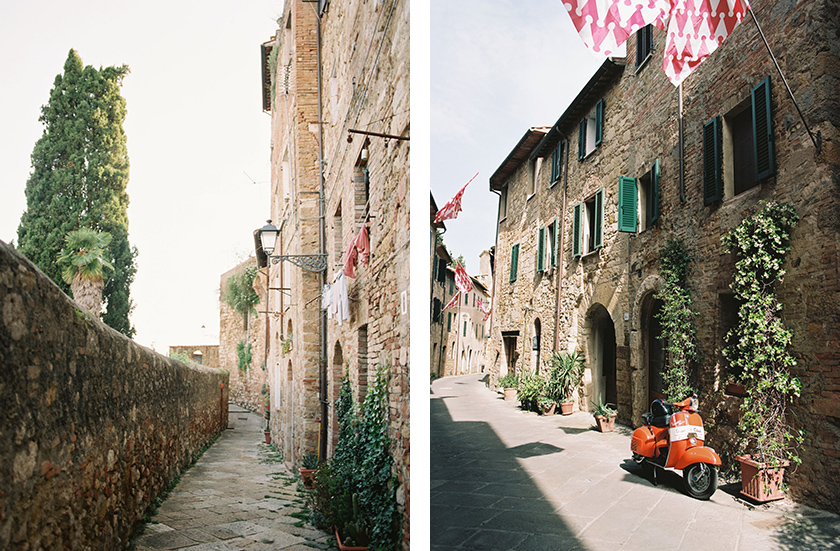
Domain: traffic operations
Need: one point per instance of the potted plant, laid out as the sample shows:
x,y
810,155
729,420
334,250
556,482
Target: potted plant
x,y
309,464
267,431
565,374
759,355
509,383
530,389
604,416
546,405
355,532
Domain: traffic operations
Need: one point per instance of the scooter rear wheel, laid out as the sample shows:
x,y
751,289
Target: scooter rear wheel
x,y
700,480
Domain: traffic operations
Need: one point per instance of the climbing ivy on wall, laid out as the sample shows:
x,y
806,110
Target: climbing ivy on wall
x,y
677,320
759,352
239,291
243,355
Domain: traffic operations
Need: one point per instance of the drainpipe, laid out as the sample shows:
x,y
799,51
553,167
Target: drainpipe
x,y
560,255
322,275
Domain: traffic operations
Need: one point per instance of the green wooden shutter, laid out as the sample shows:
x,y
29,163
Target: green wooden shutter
x,y
514,262
654,192
541,250
762,116
626,204
576,229
449,321
555,247
557,163
582,140
598,240
712,181
599,122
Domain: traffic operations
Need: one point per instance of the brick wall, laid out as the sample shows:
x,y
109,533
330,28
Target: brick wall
x,y
94,426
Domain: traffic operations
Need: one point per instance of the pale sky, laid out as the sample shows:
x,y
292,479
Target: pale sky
x,y
497,69
197,137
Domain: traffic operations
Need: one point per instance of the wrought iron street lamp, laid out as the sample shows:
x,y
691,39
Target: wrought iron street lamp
x,y
309,262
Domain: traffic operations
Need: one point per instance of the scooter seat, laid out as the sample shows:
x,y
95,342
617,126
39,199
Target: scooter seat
x,y
661,420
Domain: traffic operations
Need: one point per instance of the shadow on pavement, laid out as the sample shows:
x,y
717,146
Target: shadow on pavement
x,y
481,497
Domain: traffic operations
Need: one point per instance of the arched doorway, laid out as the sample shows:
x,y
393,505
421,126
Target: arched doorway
x,y
337,376
655,352
601,360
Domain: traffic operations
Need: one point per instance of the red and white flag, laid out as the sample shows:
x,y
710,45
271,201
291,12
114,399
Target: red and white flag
x,y
694,28
462,280
451,209
453,302
484,309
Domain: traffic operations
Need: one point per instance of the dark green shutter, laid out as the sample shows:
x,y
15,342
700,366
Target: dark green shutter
x,y
555,246
557,163
654,192
599,123
582,140
576,229
626,204
598,240
541,250
712,181
762,116
514,262
449,321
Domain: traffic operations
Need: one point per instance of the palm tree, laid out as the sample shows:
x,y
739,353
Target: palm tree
x,y
84,262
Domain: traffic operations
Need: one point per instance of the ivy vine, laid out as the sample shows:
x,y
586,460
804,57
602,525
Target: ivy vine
x,y
239,291
759,352
677,320
243,355
358,481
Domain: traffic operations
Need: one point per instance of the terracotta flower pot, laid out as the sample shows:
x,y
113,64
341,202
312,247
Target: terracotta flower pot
x,y
343,547
267,437
566,408
761,482
510,395
605,424
548,410
308,477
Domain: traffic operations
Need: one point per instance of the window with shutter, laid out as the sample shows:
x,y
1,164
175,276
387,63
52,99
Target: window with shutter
x,y
514,262
654,193
582,140
576,230
598,221
762,116
437,307
552,241
712,181
644,44
557,163
541,250
599,122
626,204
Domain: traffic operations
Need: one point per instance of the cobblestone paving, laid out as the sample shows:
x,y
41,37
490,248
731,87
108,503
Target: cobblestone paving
x,y
238,496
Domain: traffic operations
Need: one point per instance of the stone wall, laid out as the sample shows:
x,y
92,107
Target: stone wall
x,y
209,353
94,427
248,385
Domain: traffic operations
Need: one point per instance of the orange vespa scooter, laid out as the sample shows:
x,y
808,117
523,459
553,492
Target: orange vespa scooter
x,y
672,438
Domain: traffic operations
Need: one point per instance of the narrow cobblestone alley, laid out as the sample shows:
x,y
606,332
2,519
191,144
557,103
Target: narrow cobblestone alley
x,y
502,478
238,496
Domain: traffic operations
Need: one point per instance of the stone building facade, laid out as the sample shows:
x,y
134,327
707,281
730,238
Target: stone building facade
x,y
587,204
205,354
337,89
248,383
438,285
464,328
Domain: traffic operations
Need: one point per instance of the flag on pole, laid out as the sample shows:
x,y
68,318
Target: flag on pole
x,y
454,301
694,28
450,210
462,280
485,310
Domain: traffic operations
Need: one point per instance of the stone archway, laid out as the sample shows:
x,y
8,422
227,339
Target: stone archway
x,y
600,349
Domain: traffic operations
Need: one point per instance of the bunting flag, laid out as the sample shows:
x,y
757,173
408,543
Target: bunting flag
x,y
454,301
694,28
462,280
450,210
484,309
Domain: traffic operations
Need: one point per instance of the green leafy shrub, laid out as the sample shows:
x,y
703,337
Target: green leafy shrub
x,y
239,291
529,390
677,321
509,381
358,481
760,342
565,375
243,355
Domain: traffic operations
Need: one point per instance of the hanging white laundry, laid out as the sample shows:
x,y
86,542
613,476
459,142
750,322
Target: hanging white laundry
x,y
341,302
326,298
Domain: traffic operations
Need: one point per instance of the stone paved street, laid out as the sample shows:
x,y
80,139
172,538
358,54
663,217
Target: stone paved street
x,y
502,478
238,496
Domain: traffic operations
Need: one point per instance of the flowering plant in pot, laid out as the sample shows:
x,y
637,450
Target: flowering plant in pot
x,y
604,415
564,376
759,355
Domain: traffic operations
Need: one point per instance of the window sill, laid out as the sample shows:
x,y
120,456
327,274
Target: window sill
x,y
644,62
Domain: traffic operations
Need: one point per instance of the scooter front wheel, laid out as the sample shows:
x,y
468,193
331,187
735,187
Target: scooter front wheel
x,y
700,480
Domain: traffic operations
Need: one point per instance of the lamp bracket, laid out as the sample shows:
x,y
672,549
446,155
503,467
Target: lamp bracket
x,y
309,262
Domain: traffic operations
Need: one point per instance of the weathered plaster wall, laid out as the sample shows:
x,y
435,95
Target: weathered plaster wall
x,y
94,427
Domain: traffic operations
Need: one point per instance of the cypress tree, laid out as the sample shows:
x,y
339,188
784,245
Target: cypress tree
x,y
79,179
